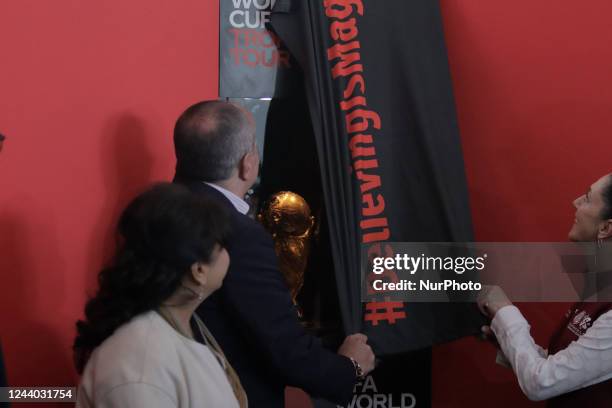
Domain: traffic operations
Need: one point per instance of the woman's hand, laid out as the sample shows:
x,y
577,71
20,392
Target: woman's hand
x,y
491,299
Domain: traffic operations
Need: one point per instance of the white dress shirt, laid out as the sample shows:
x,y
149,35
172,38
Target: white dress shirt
x,y
236,201
584,362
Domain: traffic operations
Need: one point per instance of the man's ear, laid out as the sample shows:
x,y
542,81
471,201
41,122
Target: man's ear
x,y
246,166
605,229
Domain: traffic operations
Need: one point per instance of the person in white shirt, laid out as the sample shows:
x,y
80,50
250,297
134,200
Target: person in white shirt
x,y
140,344
576,370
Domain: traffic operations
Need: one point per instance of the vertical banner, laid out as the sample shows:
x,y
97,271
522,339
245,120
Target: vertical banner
x,y
249,55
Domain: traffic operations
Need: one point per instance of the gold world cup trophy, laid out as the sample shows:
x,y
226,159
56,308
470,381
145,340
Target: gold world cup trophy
x,y
287,217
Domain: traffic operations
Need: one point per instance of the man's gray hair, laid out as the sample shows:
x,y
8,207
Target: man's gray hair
x,y
210,139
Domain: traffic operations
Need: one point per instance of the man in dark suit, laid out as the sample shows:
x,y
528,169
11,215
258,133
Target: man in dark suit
x,y
252,315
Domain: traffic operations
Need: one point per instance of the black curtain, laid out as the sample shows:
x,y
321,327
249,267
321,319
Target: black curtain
x,y
381,106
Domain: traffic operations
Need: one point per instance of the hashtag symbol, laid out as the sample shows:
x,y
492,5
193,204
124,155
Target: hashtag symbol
x,y
384,311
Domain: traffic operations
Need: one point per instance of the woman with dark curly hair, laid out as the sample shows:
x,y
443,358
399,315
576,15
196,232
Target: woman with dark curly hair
x,y
141,345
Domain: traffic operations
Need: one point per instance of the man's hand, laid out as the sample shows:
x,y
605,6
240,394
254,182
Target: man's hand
x,y
491,299
355,346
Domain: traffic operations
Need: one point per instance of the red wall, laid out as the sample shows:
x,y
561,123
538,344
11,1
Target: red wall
x,y
89,92
533,90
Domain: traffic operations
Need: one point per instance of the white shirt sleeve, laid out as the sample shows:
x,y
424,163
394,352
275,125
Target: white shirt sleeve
x,y
136,395
584,362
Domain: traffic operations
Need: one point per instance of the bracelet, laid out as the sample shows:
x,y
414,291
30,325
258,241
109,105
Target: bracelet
x,y
358,370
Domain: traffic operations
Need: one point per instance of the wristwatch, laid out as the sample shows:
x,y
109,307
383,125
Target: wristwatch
x,y
358,370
